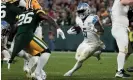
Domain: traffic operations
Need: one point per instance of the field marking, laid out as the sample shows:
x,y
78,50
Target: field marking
x,y
70,52
74,57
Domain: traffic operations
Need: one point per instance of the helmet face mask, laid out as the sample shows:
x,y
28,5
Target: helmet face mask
x,y
81,14
83,10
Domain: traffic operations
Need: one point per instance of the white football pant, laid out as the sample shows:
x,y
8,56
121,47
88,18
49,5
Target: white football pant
x,y
120,33
85,51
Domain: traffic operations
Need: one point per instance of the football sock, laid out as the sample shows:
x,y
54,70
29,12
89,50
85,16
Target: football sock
x,y
32,61
121,60
76,66
42,62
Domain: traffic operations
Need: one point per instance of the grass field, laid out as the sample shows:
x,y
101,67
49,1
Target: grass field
x,y
60,62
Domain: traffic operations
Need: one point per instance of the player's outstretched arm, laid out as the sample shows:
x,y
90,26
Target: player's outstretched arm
x,y
49,19
52,22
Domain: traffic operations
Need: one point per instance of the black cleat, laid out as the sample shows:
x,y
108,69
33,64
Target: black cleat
x,y
130,69
122,74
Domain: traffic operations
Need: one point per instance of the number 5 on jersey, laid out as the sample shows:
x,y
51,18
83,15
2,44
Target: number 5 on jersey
x,y
84,32
25,18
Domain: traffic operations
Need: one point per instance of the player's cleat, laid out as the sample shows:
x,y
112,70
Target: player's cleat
x,y
130,69
35,76
27,70
28,73
43,75
69,73
97,55
122,74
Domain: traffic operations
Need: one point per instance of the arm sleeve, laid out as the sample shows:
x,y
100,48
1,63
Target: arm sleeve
x,y
46,17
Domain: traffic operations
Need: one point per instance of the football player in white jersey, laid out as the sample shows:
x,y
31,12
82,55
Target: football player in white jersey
x,y
120,25
91,28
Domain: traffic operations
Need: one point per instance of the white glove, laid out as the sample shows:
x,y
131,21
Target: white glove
x,y
71,31
60,32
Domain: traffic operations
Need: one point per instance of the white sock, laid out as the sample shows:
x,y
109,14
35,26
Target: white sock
x,y
43,75
42,62
32,62
76,66
26,65
121,60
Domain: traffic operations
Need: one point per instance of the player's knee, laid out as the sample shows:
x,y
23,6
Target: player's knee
x,y
76,57
124,50
46,51
81,59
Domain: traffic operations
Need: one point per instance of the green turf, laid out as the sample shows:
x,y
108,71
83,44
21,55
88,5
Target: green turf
x,y
60,62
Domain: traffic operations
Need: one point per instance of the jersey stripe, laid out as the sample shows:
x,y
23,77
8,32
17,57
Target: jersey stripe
x,y
41,11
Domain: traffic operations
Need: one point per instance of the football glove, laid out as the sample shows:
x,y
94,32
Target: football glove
x,y
71,31
60,32
74,30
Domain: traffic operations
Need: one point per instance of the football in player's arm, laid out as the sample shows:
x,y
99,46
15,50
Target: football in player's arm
x,y
98,27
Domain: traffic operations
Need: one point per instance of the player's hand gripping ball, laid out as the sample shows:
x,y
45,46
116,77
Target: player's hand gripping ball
x,y
74,30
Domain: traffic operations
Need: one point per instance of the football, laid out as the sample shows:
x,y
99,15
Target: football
x,y
77,29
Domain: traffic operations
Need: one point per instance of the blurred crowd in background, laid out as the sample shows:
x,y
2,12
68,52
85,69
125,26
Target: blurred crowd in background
x,y
63,11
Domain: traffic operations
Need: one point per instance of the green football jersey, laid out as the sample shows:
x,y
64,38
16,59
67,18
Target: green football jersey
x,y
28,21
9,11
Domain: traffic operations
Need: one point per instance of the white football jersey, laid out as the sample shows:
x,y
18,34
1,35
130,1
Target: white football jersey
x,y
119,13
88,29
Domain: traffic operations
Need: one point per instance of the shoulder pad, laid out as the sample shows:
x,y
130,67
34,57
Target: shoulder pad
x,y
95,19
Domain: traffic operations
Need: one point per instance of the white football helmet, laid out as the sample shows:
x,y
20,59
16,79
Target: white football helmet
x,y
83,10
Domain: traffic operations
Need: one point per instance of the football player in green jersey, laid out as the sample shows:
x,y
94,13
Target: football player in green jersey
x,y
9,10
26,40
